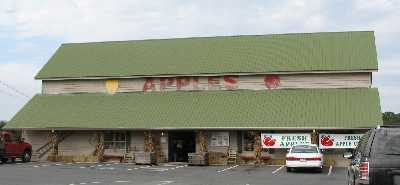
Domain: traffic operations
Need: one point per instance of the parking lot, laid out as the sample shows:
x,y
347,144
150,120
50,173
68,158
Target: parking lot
x,y
173,174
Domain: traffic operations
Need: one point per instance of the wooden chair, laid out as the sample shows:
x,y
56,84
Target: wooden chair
x,y
129,157
232,156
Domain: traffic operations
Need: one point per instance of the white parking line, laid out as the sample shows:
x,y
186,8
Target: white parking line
x,y
227,168
277,170
96,182
106,168
330,170
165,182
121,181
169,165
158,169
86,162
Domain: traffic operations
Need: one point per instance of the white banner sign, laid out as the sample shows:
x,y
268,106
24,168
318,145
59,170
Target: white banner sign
x,y
338,140
284,140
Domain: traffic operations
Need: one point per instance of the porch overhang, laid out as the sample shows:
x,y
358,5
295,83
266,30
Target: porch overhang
x,y
218,110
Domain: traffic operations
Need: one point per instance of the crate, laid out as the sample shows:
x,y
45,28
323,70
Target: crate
x,y
217,158
198,159
145,158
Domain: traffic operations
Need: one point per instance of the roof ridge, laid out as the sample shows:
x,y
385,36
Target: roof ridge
x,y
290,52
215,36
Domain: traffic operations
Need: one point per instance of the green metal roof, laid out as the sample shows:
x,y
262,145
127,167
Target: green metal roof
x,y
302,108
330,51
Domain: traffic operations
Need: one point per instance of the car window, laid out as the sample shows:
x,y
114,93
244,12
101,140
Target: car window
x,y
304,149
387,142
7,138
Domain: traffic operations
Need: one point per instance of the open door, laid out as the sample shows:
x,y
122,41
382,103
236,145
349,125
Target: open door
x,y
180,144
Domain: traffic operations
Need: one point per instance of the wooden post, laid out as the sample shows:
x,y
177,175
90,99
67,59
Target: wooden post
x,y
148,142
256,136
52,138
314,137
157,146
99,150
257,147
202,141
148,156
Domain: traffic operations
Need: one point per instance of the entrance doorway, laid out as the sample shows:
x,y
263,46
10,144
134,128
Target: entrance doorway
x,y
180,144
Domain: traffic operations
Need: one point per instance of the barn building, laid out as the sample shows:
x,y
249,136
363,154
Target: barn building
x,y
222,95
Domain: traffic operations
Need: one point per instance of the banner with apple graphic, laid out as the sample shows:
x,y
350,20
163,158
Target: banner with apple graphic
x,y
270,140
327,141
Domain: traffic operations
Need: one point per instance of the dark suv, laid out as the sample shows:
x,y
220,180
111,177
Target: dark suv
x,y
376,160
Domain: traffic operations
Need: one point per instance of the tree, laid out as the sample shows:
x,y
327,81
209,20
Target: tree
x,y
2,123
390,117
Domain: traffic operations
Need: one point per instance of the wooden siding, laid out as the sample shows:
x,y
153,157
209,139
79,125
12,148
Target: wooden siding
x,y
256,82
37,139
79,143
137,141
74,86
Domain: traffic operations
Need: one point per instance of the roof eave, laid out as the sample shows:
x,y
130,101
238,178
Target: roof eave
x,y
198,128
205,74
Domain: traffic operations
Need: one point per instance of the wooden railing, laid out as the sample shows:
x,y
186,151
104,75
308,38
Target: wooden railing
x,y
54,139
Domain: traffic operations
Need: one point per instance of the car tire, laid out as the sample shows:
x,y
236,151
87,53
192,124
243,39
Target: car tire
x,y
289,169
27,156
4,160
13,159
319,170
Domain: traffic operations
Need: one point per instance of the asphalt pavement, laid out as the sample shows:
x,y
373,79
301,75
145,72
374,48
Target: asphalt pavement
x,y
165,174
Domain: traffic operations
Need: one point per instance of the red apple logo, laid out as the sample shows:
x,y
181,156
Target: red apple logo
x,y
327,140
269,141
272,81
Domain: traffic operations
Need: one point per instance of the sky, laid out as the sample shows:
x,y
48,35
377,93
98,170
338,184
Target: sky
x,y
32,30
